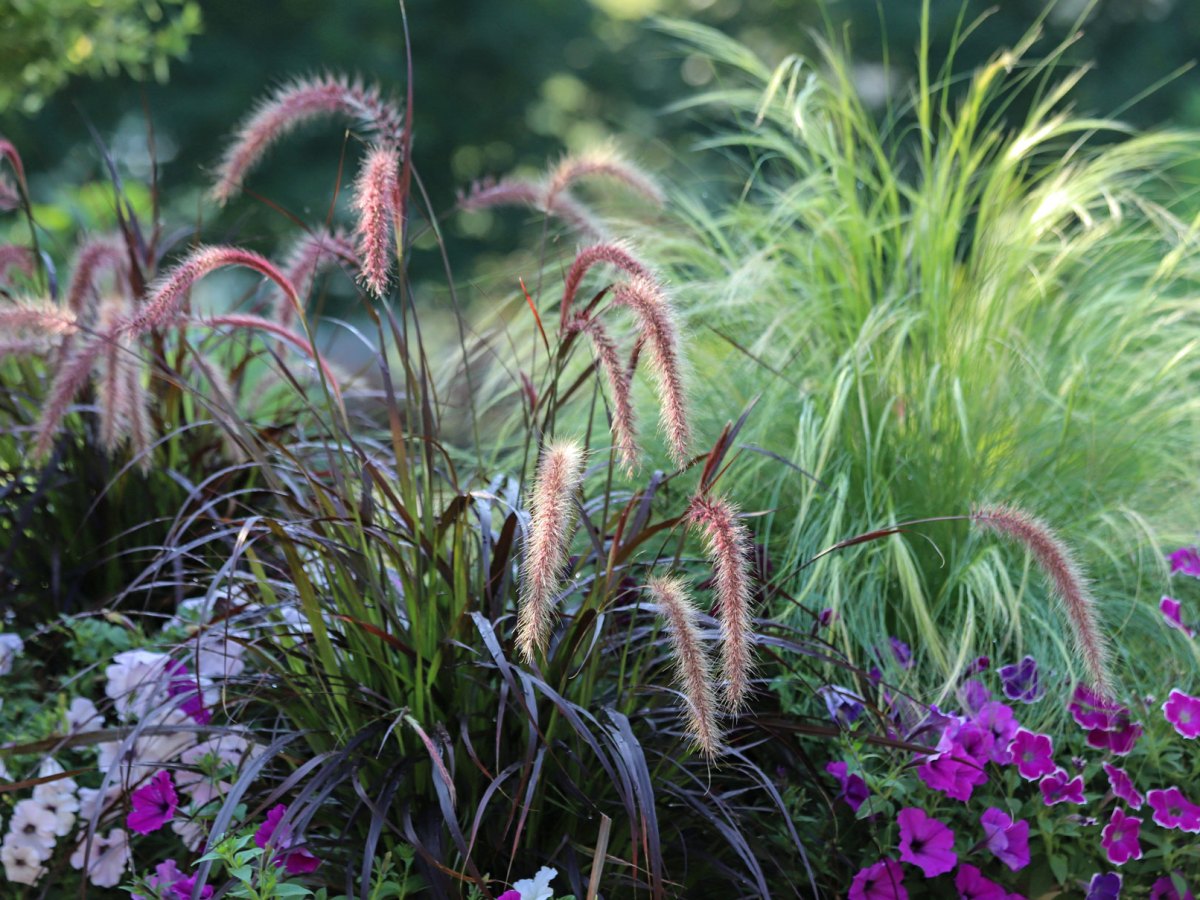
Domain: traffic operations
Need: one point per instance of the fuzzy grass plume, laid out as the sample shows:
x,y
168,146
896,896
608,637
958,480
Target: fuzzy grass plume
x,y
377,201
312,254
603,161
727,543
552,513
624,422
693,668
1067,582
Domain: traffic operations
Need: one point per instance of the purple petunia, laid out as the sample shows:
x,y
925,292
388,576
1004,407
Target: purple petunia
x,y
973,694
1120,838
1057,789
1104,886
998,719
1118,740
925,842
843,704
1020,680
1033,754
1007,840
953,772
973,886
1173,810
153,804
167,877
902,652
1186,560
1172,613
882,881
1122,786
1164,889
1092,711
1183,711
295,860
854,789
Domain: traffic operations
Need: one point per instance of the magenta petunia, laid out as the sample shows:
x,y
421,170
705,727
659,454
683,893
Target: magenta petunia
x,y
1118,740
882,881
854,790
1105,886
1092,711
1056,788
168,878
1120,838
998,719
973,886
1186,560
1172,613
1007,840
1183,711
510,895
1173,810
295,860
1033,754
1122,786
153,805
1164,889
952,772
925,842
1020,680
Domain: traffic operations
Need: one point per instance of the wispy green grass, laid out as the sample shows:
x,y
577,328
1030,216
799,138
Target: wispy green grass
x,y
977,295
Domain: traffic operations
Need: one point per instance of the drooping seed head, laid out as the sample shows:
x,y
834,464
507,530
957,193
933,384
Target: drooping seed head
x,y
727,544
73,373
489,193
693,668
93,259
1067,583
617,254
376,194
624,423
296,104
10,197
551,520
311,255
16,257
119,391
604,161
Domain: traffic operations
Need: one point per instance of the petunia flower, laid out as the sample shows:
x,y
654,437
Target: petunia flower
x,y
1164,889
953,772
11,646
1007,840
854,789
168,877
105,860
1033,754
153,804
537,887
998,718
1092,711
22,862
1183,711
973,886
295,860
1104,886
925,842
1057,789
1122,786
1120,838
843,704
1118,740
1186,560
974,694
82,715
882,881
1020,680
1173,810
1171,610
901,651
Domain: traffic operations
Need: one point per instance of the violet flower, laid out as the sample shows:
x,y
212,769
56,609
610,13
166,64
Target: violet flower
x,y
153,804
925,842
1186,560
1020,680
854,789
1057,789
973,886
1033,754
1007,840
1104,886
882,881
1120,838
1122,786
1183,711
1164,889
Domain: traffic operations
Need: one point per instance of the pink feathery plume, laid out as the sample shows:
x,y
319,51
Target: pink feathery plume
x,y
38,316
727,542
614,253
489,193
312,254
623,421
656,317
294,105
256,323
139,417
693,669
559,476
603,162
73,373
112,378
19,257
10,197
93,259
9,152
375,198
166,295
1067,582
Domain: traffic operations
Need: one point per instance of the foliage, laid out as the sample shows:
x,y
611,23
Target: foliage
x,y
45,42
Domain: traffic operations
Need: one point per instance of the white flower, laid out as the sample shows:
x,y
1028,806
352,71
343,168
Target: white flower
x,y
22,862
195,778
218,656
135,760
137,682
82,715
537,887
106,858
191,831
90,799
34,825
11,647
49,768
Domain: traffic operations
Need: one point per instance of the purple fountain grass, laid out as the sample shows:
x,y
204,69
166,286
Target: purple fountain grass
x,y
552,512
10,197
93,259
73,373
624,424
727,543
693,669
1067,583
489,193
39,316
19,257
118,395
617,254
9,152
377,200
660,329
604,161
295,104
311,255
166,295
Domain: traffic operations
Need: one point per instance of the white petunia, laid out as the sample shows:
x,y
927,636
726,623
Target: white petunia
x,y
106,858
34,825
82,715
137,682
537,887
219,656
22,862
191,831
11,647
90,799
134,760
